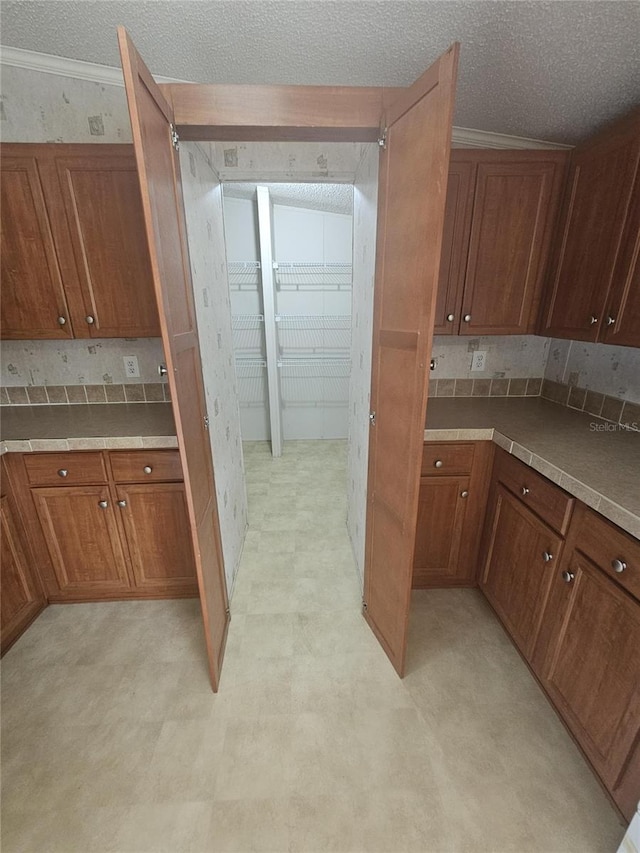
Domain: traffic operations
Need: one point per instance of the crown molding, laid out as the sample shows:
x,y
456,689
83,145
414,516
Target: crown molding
x,y
46,63
466,137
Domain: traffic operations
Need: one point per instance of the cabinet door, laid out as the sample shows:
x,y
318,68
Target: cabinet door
x,y
33,298
455,246
519,565
101,199
592,669
597,197
156,524
514,209
82,539
21,597
622,317
442,507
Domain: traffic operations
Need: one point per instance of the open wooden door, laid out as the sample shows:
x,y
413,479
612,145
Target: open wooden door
x,y
159,176
411,199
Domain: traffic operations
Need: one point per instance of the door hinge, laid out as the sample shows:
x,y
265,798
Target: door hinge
x,y
175,139
382,139
364,604
372,418
206,421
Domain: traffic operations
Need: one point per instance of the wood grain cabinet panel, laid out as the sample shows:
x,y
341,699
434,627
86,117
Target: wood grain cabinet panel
x,y
455,244
585,262
154,516
82,538
21,597
520,559
101,198
34,304
592,671
442,507
514,208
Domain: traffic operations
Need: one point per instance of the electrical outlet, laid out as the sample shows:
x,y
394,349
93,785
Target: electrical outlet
x,y
479,360
131,369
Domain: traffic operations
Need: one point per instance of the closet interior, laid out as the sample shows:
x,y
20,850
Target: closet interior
x,y
290,265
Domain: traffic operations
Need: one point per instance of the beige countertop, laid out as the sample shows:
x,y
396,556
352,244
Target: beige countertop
x,y
594,460
87,427
597,462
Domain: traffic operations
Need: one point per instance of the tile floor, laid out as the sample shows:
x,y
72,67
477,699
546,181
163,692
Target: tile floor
x,y
112,741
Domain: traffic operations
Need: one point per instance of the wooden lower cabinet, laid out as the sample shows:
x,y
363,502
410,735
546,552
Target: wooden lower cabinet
x,y
521,555
81,533
451,504
154,517
592,669
21,597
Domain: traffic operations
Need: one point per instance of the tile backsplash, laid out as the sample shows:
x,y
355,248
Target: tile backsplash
x,y
52,395
89,362
610,370
507,357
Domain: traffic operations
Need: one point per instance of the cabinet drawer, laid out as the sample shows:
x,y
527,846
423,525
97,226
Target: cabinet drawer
x,y
141,466
447,458
547,500
610,548
65,469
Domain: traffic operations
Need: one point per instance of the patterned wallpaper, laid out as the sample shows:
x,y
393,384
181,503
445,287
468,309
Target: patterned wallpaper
x,y
39,107
605,369
205,232
365,200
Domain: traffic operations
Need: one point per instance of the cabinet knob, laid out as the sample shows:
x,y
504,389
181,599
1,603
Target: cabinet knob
x,y
162,369
524,491
438,463
593,320
610,320
547,556
103,504
62,472
90,320
464,494
147,469
467,318
450,318
618,565
567,577
122,503
61,320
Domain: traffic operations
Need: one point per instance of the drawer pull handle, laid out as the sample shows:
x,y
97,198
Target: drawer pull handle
x,y
464,494
438,463
122,503
90,320
567,577
610,320
103,504
147,469
618,565
593,320
450,318
62,320
547,556
62,472
524,491
467,318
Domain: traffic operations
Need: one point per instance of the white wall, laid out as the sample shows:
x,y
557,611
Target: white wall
x,y
365,209
205,232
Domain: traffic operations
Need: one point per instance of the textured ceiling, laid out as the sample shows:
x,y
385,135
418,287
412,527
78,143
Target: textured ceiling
x,y
548,70
334,198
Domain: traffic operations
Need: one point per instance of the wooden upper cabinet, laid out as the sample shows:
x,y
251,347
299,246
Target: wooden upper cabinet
x,y
587,261
455,244
499,217
34,304
101,198
75,261
514,211
622,316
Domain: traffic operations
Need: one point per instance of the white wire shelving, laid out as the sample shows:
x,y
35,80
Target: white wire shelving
x,y
311,276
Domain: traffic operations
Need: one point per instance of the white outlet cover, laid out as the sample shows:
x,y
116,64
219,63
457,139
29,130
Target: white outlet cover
x,y
131,369
479,360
